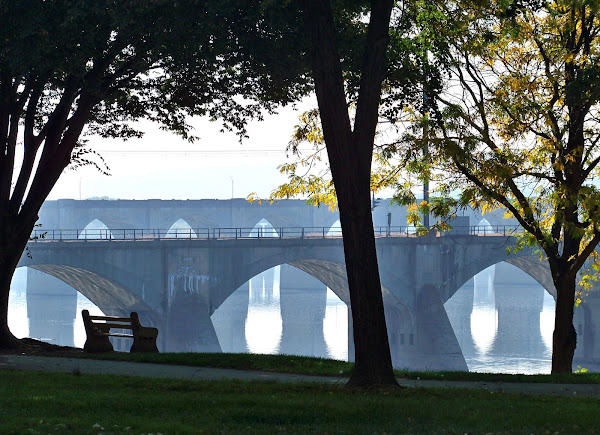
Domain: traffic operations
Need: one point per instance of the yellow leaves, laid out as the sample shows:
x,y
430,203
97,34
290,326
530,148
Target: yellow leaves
x,y
309,129
488,207
287,168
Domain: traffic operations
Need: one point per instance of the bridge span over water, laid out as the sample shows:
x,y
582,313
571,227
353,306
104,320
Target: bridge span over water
x,y
176,281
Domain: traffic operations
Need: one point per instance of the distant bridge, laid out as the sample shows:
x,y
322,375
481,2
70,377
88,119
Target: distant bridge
x,y
177,279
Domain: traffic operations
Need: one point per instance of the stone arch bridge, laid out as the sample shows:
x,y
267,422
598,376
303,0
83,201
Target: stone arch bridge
x,y
176,284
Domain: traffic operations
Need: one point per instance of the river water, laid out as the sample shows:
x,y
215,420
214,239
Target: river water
x,y
502,318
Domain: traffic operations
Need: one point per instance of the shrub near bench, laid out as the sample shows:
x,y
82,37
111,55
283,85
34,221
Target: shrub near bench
x,y
97,329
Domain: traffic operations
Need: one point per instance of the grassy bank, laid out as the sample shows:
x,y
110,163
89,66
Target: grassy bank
x,y
71,403
326,367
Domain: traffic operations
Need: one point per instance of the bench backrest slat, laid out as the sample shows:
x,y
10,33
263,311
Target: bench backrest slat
x,y
115,325
110,318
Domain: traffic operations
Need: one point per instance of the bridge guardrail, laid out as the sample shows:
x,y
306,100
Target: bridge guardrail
x,y
255,233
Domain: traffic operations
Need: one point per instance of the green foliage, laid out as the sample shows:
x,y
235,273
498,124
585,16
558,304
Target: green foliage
x,y
515,125
307,175
71,68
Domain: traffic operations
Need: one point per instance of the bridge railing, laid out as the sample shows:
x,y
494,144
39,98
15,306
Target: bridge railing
x,y
255,233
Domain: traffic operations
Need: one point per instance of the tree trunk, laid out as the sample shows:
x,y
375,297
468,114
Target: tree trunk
x,y
564,338
373,363
350,153
7,339
13,240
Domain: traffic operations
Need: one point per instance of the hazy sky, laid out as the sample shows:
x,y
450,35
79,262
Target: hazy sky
x,y
164,166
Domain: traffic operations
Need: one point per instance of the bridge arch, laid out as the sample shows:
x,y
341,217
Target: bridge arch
x,y
335,229
503,318
180,229
105,216
194,220
263,228
108,295
107,279
476,260
400,321
96,229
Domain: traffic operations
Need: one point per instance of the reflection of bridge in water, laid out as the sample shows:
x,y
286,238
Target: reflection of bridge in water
x,y
177,283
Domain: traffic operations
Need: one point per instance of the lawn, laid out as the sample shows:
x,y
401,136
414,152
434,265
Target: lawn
x,y
32,402
325,367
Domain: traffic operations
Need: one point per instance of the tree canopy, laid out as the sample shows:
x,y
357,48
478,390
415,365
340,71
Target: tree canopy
x,y
69,68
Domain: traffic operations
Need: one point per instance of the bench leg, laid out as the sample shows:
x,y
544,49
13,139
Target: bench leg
x,y
97,344
144,343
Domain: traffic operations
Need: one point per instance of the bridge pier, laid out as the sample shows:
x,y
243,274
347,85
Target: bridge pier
x,y
189,328
587,325
436,346
51,308
229,321
422,339
459,309
303,300
419,331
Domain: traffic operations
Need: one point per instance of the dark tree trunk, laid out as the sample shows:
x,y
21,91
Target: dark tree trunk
x,y
350,153
564,338
13,241
373,363
7,339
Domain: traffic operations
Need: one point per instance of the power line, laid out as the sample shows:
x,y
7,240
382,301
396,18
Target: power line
x,y
198,151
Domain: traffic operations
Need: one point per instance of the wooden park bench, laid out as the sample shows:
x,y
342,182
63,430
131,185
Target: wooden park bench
x,y
97,329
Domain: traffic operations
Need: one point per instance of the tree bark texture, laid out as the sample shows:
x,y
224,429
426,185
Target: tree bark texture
x,y
350,154
13,239
564,338
564,275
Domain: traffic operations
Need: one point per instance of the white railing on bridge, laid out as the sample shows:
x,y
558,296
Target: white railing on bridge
x,y
255,233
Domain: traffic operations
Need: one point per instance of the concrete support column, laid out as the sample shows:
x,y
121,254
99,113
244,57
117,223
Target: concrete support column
x,y
302,313
459,308
519,309
51,308
303,300
435,345
587,353
229,321
189,328
401,332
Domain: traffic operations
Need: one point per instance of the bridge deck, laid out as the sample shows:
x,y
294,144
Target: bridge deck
x,y
254,233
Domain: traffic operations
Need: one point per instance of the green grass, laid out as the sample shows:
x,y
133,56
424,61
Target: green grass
x,y
241,361
32,402
325,367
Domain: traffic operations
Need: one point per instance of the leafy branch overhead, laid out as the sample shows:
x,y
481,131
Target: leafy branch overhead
x,y
75,68
62,77
515,127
